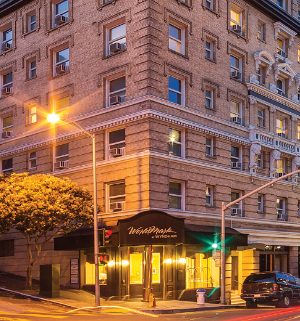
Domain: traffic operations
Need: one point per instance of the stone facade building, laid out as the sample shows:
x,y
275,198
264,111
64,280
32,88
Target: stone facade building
x,y
193,102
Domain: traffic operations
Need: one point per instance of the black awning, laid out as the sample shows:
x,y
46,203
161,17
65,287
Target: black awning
x,y
205,236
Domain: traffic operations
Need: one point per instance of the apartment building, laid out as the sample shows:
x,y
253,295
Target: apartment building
x,y
193,103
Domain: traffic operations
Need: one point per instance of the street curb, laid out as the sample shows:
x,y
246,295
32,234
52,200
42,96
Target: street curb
x,y
174,311
158,311
36,298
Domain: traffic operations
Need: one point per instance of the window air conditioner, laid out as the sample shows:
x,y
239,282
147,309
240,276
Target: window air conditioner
x,y
116,47
6,90
61,69
116,152
60,19
281,135
114,100
237,29
281,53
63,164
236,165
118,206
236,74
6,134
6,46
236,212
236,120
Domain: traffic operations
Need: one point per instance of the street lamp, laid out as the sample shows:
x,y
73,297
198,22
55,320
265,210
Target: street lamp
x,y
223,209
54,118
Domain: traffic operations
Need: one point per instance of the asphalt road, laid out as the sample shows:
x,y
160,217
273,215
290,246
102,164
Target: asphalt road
x,y
12,309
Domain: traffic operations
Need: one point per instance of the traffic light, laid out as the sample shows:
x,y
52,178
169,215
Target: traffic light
x,y
103,259
107,237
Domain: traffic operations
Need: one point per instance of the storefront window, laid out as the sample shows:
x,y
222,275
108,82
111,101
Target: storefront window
x,y
90,273
155,267
136,268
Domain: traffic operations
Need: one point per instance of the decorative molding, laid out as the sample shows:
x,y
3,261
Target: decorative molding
x,y
171,68
67,39
10,65
208,34
280,28
207,82
286,69
265,58
168,13
36,53
101,4
231,48
126,68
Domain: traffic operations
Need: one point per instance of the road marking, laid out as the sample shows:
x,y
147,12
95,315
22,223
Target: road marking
x,y
114,307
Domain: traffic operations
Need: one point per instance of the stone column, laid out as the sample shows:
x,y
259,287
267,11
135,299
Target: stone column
x,y
272,119
274,156
255,150
293,260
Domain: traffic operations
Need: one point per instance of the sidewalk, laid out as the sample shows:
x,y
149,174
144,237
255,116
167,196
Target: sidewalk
x,y
79,299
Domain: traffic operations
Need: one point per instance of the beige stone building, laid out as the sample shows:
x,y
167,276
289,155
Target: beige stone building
x,y
193,103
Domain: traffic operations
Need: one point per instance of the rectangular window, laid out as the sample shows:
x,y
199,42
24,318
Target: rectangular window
x,y
7,166
116,197
7,123
61,61
210,4
262,75
261,118
282,47
177,39
236,210
236,19
31,68
7,248
235,67
32,161
136,268
176,195
209,147
281,4
59,104
209,195
62,156
210,50
117,91
60,13
116,141
209,98
175,90
235,158
281,209
260,160
261,32
116,39
298,130
260,203
7,40
7,83
30,22
281,129
32,114
281,87
175,142
235,112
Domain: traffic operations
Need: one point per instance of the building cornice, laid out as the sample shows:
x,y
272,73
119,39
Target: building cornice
x,y
8,6
269,8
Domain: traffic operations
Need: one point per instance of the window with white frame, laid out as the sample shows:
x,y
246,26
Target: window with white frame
x,y
175,142
31,68
7,39
116,39
210,49
116,196
176,195
209,147
177,38
209,98
261,118
176,90
236,66
116,91
236,19
32,160
209,195
236,112
62,156
7,166
7,125
61,61
261,203
236,209
210,4
280,167
31,23
60,12
116,143
281,4
236,157
260,160
281,127
298,130
7,83
281,209
31,110
281,86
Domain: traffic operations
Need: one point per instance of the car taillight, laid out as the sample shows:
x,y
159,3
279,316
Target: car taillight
x,y
275,287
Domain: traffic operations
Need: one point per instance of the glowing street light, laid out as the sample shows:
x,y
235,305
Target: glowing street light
x,y
54,118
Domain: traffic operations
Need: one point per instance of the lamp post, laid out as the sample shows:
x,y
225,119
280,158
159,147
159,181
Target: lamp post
x,y
223,209
53,119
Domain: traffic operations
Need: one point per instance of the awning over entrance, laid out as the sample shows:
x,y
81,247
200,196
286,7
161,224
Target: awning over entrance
x,y
153,228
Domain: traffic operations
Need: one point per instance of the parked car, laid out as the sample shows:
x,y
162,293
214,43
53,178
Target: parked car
x,y
275,288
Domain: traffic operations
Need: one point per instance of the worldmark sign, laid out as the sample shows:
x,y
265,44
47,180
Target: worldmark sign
x,y
152,227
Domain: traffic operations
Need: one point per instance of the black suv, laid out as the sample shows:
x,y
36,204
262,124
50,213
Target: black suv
x,y
276,288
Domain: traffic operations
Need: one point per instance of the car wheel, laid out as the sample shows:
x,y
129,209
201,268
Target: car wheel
x,y
284,302
251,305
